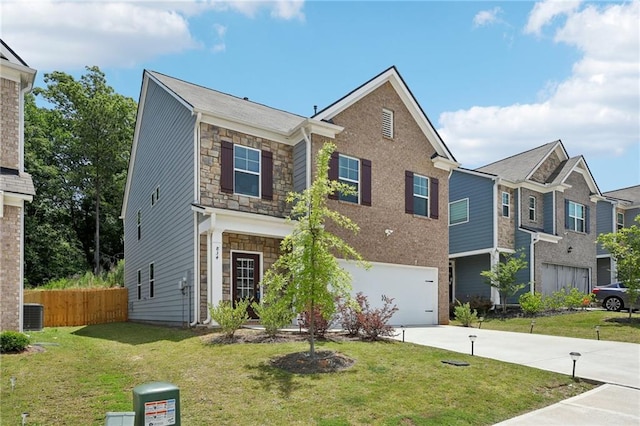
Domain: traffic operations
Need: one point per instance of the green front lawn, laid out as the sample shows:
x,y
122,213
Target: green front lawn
x,y
614,326
88,371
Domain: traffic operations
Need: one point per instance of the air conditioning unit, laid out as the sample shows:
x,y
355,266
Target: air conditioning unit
x,y
32,317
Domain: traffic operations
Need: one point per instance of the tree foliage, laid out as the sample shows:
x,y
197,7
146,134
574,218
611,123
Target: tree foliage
x,y
624,246
502,276
77,150
307,276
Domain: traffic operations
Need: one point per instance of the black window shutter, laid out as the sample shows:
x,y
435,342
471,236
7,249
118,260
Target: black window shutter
x,y
586,219
365,180
433,198
226,165
333,170
267,175
566,214
408,192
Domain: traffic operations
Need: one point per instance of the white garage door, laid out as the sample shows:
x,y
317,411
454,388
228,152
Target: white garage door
x,y
555,277
414,290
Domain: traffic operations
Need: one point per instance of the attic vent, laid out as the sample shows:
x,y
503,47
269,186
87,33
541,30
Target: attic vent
x,y
387,123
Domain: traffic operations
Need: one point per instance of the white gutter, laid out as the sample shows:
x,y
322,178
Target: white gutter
x,y
196,234
308,158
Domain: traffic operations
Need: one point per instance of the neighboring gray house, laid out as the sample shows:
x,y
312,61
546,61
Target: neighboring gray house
x,y
16,187
540,202
205,201
617,211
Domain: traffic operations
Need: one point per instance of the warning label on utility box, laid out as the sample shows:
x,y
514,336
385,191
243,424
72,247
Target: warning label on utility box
x,y
160,413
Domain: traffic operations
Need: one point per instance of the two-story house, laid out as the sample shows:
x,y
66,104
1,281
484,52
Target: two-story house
x,y
205,211
16,187
618,210
539,203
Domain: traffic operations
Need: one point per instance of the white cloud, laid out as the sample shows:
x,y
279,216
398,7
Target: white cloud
x,y
594,111
544,12
69,34
220,31
487,17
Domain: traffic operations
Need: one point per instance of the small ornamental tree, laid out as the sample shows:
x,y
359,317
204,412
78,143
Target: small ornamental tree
x,y
624,246
503,277
307,275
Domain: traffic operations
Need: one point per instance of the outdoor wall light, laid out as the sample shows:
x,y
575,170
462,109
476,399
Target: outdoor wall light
x,y
574,357
473,338
570,249
480,320
598,331
533,322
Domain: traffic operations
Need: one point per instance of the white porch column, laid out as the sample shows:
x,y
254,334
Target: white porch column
x,y
495,294
215,272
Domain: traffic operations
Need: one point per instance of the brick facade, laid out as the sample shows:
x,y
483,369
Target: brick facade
x,y
10,232
9,124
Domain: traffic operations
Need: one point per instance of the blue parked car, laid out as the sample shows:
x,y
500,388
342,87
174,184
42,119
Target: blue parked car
x,y
613,297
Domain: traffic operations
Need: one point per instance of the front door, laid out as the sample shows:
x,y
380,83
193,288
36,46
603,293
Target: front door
x,y
246,279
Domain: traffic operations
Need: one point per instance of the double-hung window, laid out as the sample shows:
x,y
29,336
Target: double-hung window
x,y
139,223
619,221
246,171
139,285
532,208
506,204
577,217
420,195
459,211
152,280
349,173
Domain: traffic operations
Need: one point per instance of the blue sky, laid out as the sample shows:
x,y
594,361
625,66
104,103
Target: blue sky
x,y
495,78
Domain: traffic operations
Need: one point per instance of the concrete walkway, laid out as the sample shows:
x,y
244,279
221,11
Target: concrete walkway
x,y
614,363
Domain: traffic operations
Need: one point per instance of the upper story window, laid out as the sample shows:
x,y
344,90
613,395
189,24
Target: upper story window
x,y
619,221
139,223
506,204
152,280
459,212
577,217
139,285
387,123
246,171
420,195
532,208
349,173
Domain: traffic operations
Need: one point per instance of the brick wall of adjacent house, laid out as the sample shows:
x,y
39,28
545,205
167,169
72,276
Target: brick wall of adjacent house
x,y
415,240
583,252
210,171
506,225
9,124
10,230
550,165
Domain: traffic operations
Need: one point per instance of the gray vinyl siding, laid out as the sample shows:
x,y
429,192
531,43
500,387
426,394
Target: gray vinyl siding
x,y
604,222
549,212
469,283
477,233
300,166
164,159
630,216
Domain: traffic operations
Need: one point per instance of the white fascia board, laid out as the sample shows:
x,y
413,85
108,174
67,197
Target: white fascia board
x,y
444,163
505,250
247,128
244,223
17,72
543,236
487,250
476,173
317,127
15,199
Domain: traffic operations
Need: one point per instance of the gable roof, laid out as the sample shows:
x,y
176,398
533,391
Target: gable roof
x,y
13,67
212,102
630,194
392,76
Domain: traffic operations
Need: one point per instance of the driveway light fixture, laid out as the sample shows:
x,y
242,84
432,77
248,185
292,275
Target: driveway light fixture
x,y
574,357
480,320
533,322
598,331
473,338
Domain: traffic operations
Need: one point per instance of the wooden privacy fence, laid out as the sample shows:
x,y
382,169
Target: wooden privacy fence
x,y
80,306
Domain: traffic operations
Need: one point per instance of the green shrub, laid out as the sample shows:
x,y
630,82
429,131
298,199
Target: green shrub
x,y
465,314
228,317
273,316
573,299
554,301
531,303
481,304
12,341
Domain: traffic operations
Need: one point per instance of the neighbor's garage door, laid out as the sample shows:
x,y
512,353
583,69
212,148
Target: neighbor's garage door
x,y
555,277
414,290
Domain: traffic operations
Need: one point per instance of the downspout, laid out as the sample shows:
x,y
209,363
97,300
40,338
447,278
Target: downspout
x,y
308,158
532,265
196,235
23,92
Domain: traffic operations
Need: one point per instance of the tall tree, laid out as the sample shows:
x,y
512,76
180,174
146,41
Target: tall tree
x,y
624,246
502,276
307,275
95,126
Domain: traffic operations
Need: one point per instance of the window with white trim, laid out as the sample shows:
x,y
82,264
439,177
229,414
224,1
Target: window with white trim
x,y
387,123
506,204
139,223
139,285
420,195
459,211
532,208
349,173
576,217
152,280
619,221
246,170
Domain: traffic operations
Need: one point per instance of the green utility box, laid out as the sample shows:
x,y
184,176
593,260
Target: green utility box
x,y
156,404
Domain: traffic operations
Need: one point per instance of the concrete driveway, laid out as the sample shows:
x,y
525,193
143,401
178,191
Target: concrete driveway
x,y
614,363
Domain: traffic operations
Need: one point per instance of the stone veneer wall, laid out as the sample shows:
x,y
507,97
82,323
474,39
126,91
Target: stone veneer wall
x,y
506,225
10,230
9,124
545,170
210,171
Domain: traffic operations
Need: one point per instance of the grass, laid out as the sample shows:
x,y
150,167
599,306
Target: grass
x,y
88,371
614,326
